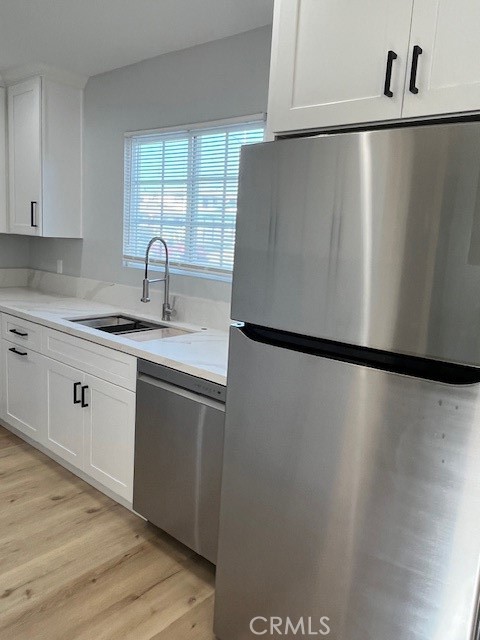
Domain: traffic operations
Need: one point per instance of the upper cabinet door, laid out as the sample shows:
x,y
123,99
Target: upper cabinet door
x,y
332,64
445,48
24,130
3,167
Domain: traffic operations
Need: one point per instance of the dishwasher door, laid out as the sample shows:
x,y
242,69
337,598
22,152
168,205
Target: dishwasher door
x,y
178,462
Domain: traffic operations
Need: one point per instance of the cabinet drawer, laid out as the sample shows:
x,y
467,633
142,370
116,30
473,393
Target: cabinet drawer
x,y
22,332
92,358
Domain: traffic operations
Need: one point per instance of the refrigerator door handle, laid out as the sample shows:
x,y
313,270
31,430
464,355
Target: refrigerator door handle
x,y
413,366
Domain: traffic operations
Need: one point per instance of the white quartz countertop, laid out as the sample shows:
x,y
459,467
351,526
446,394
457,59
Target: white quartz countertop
x,y
202,353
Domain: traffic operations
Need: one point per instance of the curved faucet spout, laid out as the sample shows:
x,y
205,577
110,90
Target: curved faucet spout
x,y
167,308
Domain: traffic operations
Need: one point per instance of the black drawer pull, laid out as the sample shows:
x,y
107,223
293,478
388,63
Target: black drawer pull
x,y
19,353
388,74
84,388
75,387
417,51
19,333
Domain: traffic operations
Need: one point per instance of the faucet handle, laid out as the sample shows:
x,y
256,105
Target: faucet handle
x,y
146,291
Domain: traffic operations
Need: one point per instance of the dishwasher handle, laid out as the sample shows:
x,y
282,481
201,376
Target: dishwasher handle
x,y
184,393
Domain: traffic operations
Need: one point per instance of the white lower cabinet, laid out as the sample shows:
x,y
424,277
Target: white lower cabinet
x,y
85,420
91,425
65,416
109,435
23,402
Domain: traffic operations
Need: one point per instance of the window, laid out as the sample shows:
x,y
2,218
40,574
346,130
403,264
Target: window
x,y
182,185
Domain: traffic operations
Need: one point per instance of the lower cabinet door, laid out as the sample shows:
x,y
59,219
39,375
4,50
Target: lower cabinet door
x,y
65,414
23,390
110,435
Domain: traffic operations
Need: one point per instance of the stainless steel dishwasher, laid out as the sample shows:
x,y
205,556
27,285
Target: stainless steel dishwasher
x,y
178,455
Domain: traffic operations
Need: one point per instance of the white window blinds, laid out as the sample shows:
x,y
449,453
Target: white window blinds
x,y
182,186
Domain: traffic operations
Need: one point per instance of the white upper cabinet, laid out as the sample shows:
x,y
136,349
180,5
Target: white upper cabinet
x,y
338,62
331,60
24,123
3,167
448,66
44,142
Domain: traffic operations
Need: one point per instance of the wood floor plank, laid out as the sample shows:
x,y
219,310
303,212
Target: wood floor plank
x,y
74,564
197,624
153,607
8,440
36,578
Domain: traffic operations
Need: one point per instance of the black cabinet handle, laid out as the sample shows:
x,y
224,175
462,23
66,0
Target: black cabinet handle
x,y
388,74
19,333
33,214
417,51
84,388
19,353
75,387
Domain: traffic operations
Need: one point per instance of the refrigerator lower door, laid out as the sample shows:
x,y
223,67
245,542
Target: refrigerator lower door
x,y
349,493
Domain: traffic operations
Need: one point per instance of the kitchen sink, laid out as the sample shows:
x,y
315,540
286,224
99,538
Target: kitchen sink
x,y
124,325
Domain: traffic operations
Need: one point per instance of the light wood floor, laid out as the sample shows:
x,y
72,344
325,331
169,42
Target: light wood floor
x,y
75,565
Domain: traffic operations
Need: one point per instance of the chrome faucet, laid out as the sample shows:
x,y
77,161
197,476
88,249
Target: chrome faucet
x,y
167,309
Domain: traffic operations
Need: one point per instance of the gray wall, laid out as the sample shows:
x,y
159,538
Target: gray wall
x,y
14,251
220,79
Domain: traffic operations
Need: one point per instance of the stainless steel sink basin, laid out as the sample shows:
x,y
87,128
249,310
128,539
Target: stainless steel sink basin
x,y
124,325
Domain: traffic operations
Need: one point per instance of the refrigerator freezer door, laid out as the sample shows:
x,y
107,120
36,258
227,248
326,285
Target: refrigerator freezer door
x,y
369,238
350,493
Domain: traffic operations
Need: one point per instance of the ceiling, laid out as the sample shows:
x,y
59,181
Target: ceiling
x,y
93,36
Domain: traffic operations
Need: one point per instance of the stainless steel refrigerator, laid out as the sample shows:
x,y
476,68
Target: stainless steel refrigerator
x,y
351,480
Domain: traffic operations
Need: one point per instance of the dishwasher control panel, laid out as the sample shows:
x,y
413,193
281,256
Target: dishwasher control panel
x,y
209,389
183,380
